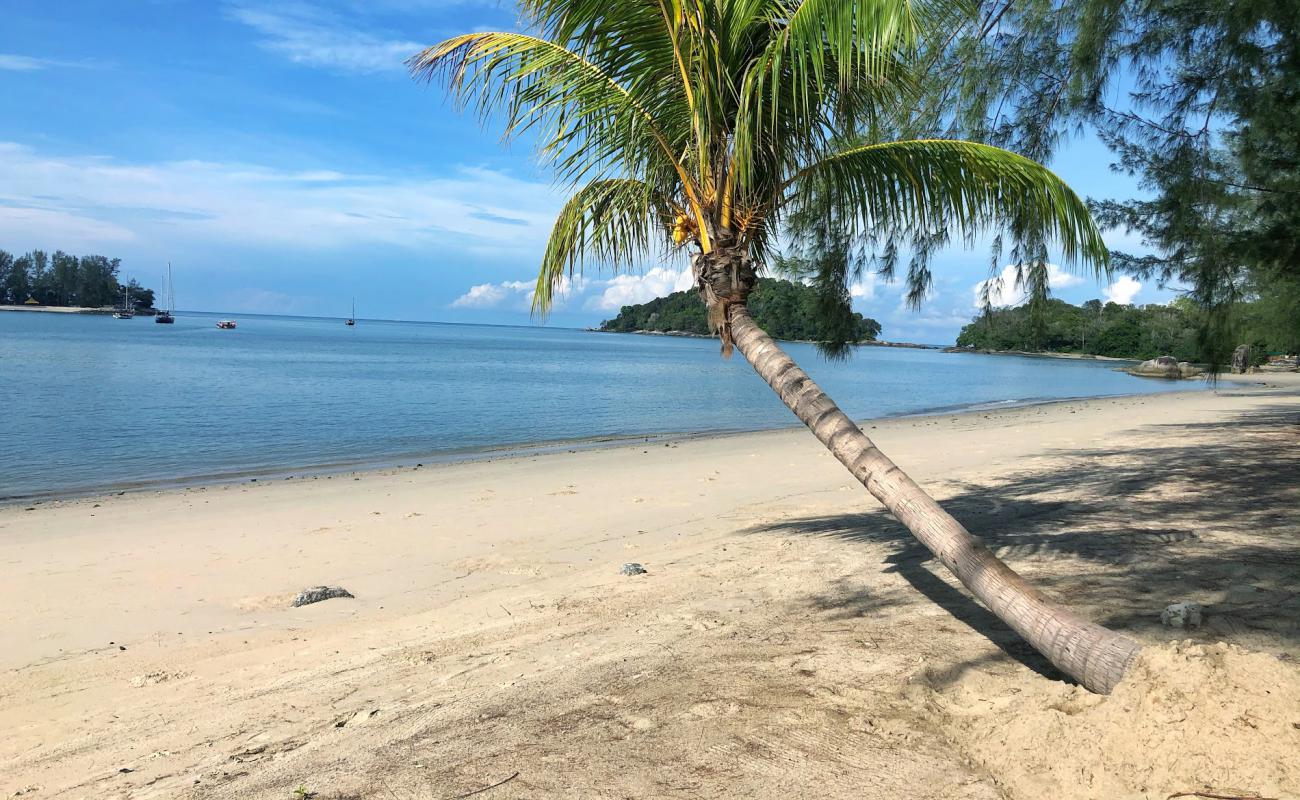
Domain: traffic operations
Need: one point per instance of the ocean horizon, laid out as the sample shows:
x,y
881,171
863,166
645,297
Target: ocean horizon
x,y
92,404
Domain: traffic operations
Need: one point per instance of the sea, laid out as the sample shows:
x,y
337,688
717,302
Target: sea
x,y
91,404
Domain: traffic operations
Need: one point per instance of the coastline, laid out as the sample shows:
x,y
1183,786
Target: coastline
x,y
488,454
101,311
693,335
54,309
1041,354
784,620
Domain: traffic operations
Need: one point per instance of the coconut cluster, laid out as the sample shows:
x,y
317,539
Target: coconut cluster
x,y
683,228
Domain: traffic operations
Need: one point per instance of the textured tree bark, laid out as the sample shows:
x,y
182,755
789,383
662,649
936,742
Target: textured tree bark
x,y
1093,655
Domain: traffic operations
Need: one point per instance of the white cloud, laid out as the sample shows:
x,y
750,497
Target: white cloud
x,y
491,295
626,290
1003,291
593,294
864,289
17,63
72,231
310,36
1122,291
89,199
518,295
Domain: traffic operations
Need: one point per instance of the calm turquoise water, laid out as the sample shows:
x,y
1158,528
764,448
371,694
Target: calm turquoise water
x,y
89,402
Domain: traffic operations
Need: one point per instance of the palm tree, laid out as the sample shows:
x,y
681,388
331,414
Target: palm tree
x,y
711,125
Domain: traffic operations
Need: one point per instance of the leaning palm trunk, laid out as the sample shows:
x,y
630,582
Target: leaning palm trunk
x,y
709,126
1087,652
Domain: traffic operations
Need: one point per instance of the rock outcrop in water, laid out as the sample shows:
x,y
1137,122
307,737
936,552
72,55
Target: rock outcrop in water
x,y
1165,367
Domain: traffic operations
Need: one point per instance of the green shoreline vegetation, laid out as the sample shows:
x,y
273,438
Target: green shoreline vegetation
x,y
62,280
1122,331
787,310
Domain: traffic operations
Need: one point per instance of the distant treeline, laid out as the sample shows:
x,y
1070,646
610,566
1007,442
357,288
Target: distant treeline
x,y
784,309
62,279
1121,331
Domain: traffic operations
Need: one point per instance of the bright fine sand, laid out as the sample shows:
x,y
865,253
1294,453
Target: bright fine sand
x,y
789,640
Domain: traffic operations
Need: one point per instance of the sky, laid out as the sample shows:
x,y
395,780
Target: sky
x,y
281,158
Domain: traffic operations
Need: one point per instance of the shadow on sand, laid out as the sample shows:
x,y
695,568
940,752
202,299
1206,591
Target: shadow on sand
x,y
1203,512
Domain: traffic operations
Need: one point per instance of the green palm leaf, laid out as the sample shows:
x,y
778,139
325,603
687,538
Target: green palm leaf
x,y
584,120
611,221
732,112
927,185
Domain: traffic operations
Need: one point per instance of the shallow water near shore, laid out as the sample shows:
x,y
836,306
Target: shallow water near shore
x,y
90,403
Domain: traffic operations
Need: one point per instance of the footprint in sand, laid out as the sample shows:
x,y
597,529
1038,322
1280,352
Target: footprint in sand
x,y
566,490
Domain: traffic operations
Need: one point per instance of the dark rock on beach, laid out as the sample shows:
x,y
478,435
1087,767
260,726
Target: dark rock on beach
x,y
318,593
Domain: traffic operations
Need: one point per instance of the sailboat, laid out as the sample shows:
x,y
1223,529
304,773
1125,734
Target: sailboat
x,y
352,320
125,312
165,316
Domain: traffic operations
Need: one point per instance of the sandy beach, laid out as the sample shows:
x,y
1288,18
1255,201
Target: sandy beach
x,y
57,309
788,639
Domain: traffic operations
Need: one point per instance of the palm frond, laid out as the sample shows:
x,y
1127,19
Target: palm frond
x,y
828,66
586,123
610,221
926,188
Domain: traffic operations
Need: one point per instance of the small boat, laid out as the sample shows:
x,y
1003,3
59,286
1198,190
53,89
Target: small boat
x,y
226,324
125,312
352,320
165,317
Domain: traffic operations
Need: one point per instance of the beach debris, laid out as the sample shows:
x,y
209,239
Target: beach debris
x,y
318,593
485,788
1182,615
632,568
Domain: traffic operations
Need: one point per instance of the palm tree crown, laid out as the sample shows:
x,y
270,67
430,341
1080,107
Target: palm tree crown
x,y
708,124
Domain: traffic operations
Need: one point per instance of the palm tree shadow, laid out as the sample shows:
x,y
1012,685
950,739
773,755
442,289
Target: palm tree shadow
x,y
1120,533
911,564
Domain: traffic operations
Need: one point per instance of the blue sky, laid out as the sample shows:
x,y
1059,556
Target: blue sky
x,y
280,157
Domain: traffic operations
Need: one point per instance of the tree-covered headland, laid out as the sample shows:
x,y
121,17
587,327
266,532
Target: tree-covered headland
x,y
784,308
1117,331
1200,102
62,279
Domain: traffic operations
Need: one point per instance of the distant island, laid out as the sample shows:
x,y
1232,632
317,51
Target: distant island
x,y
62,280
1108,330
785,309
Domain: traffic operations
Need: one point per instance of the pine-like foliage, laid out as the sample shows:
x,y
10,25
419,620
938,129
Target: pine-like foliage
x,y
1198,99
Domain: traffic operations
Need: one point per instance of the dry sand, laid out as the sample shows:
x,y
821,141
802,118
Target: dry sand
x,y
789,639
